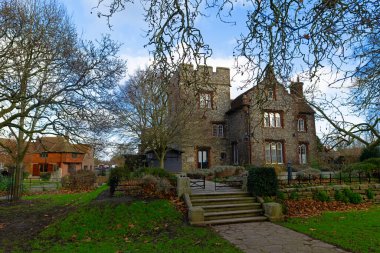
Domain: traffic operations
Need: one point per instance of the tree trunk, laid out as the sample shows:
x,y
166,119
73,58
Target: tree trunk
x,y
162,161
16,190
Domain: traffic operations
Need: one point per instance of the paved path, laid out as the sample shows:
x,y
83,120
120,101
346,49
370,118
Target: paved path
x,y
266,237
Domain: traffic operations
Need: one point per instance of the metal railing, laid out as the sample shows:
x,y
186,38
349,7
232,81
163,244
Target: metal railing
x,y
198,183
332,178
221,183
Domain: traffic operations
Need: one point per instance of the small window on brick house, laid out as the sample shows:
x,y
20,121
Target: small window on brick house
x,y
44,154
272,119
74,155
302,153
205,100
270,94
301,124
218,130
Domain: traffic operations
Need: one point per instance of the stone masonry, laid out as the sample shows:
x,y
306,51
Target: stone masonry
x,y
244,136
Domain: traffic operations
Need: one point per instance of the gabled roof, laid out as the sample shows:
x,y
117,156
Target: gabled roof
x,y
268,80
57,144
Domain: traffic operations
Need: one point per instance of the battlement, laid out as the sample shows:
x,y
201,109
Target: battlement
x,y
220,76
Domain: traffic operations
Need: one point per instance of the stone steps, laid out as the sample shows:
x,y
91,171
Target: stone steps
x,y
232,214
227,207
231,207
236,220
220,201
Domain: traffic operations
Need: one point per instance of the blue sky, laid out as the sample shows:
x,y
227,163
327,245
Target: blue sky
x,y
128,28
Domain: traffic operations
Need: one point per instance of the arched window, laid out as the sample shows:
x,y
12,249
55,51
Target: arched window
x,y
272,119
273,152
301,125
266,119
302,156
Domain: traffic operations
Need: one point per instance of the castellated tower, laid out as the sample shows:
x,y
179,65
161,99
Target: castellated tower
x,y
207,94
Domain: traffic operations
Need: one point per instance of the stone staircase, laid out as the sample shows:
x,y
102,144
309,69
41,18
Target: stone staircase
x,y
228,207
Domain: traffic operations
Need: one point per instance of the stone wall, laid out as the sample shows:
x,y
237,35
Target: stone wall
x,y
288,134
199,134
308,192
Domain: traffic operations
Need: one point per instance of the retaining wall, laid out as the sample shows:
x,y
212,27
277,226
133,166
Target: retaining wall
x,y
308,192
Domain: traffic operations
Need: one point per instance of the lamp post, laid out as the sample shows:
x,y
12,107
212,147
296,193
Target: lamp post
x,y
289,168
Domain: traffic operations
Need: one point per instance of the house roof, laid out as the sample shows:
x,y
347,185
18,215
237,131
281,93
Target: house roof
x,y
57,144
268,80
303,106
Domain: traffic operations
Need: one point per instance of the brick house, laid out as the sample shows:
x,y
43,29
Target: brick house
x,y
264,125
49,154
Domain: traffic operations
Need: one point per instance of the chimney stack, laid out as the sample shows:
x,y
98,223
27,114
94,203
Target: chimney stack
x,y
296,88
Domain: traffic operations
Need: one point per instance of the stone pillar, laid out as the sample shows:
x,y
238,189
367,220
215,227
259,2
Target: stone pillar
x,y
196,215
273,211
183,185
244,186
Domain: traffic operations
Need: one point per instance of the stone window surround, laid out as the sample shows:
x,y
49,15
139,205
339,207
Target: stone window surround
x,y
283,153
299,118
273,96
218,129
209,104
274,113
306,145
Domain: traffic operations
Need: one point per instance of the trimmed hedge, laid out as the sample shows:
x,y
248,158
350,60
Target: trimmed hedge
x,y
79,180
262,181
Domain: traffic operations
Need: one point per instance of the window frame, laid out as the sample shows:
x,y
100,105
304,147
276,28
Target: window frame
x,y
273,119
205,100
44,154
274,152
304,122
302,153
218,130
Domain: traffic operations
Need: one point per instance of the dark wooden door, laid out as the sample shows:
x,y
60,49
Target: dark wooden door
x,y
36,170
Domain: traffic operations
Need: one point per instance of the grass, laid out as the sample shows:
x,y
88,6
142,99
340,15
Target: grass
x,y
140,226
357,231
115,226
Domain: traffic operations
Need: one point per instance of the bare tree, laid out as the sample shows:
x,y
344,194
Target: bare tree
x,y
148,115
292,36
51,82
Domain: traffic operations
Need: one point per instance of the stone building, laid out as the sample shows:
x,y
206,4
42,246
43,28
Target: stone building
x,y
264,125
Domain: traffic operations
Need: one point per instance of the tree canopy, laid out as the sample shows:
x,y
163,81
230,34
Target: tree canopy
x,y
295,37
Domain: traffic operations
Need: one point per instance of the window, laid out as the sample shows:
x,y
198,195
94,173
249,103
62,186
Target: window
x,y
301,126
44,167
273,152
272,119
44,154
223,156
218,130
203,158
302,150
205,100
74,155
270,94
85,167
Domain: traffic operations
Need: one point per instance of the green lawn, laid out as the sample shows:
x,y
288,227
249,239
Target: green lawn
x,y
357,231
117,226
